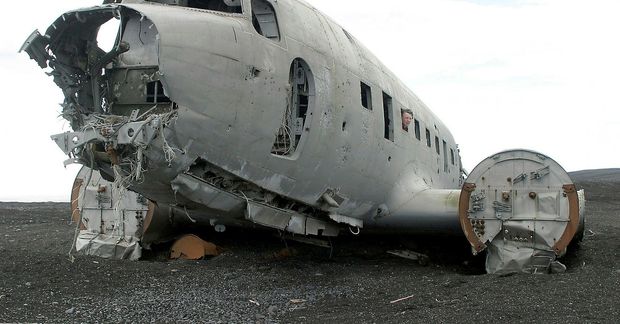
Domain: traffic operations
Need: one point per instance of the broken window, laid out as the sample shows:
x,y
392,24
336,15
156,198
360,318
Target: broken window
x,y
388,117
416,125
229,6
264,19
437,145
106,36
366,96
428,138
298,111
452,156
155,93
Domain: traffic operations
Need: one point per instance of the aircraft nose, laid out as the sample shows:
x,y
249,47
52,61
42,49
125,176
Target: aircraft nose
x,y
101,64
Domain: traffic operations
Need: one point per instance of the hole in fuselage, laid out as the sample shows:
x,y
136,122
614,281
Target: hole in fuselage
x,y
106,38
155,93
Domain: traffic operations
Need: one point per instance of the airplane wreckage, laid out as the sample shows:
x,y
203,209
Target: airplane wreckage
x,y
266,113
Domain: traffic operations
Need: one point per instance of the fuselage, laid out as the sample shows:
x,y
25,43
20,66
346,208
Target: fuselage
x,y
272,96
265,113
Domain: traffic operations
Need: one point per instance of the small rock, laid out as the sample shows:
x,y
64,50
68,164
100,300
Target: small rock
x,y
272,310
70,310
28,284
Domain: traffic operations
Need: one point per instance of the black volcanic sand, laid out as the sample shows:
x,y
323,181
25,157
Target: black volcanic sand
x,y
255,281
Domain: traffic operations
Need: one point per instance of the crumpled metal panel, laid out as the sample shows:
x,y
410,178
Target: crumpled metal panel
x,y
111,220
197,190
268,216
507,257
108,246
289,221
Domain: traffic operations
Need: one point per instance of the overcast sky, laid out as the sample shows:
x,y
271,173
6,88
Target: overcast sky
x,y
536,74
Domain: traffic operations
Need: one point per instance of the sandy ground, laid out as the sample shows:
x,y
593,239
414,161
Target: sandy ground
x,y
253,281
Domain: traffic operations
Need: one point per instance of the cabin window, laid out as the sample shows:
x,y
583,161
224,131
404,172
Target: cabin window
x,y
452,156
437,145
366,96
428,138
416,126
298,112
264,19
388,117
406,116
445,156
228,6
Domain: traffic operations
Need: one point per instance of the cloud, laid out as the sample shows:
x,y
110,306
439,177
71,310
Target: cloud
x,y
503,74
535,74
502,3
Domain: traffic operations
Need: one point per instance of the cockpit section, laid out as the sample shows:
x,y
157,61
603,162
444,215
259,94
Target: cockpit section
x,y
121,80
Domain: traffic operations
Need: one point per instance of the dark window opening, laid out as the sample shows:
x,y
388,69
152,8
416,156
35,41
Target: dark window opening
x,y
437,145
445,156
452,156
229,6
416,125
155,93
264,19
428,138
366,96
388,117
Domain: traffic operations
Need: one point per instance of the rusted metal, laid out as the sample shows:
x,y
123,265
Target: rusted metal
x,y
149,217
75,199
573,219
112,154
466,225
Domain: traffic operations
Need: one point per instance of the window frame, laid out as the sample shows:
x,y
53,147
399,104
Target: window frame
x,y
388,117
416,129
365,95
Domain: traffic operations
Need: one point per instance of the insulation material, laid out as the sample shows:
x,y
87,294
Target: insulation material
x,y
192,247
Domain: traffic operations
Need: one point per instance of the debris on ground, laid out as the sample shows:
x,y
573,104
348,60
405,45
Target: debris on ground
x,y
192,247
411,255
